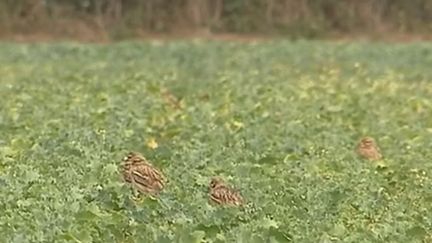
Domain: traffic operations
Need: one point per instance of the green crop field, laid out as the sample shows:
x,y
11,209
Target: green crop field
x,y
279,121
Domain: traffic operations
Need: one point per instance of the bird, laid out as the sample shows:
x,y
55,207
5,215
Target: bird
x,y
368,149
141,174
221,194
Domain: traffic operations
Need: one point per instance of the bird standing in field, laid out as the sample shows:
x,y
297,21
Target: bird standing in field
x,y
368,149
221,194
143,176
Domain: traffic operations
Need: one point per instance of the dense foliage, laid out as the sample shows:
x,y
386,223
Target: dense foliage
x,y
278,121
126,18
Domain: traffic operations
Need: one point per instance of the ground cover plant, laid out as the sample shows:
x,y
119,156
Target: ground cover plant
x,y
279,121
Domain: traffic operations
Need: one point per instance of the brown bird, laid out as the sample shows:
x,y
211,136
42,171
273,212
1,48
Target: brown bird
x,y
368,149
143,176
221,194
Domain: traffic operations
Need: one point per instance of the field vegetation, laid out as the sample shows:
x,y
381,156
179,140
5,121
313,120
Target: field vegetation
x,y
279,121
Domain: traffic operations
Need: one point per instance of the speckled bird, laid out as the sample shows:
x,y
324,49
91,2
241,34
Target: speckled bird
x,y
143,176
221,194
368,149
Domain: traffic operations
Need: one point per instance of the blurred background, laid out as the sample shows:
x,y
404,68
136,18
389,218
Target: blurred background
x,y
110,20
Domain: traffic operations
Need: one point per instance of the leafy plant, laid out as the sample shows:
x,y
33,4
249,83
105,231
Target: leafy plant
x,y
278,120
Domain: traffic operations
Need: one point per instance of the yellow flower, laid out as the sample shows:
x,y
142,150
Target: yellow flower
x,y
151,143
238,124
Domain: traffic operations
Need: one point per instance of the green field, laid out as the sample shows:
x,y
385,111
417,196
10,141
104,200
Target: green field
x,y
278,120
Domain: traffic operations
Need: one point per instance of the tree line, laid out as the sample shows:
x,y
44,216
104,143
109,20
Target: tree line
x,y
307,18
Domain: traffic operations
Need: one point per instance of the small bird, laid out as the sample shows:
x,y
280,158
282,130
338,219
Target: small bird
x,y
143,176
368,149
221,194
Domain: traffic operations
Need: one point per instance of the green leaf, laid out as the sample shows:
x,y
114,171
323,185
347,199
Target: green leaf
x,y
111,169
338,230
270,160
276,235
416,232
31,175
185,235
210,230
247,236
7,151
163,239
198,236
268,223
